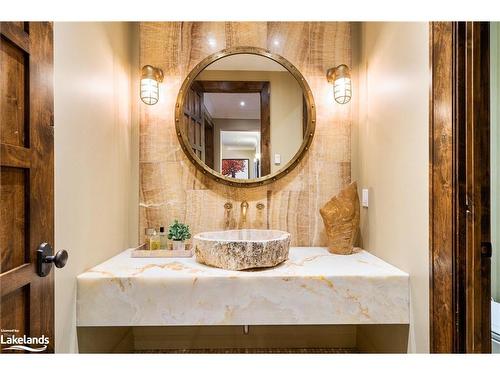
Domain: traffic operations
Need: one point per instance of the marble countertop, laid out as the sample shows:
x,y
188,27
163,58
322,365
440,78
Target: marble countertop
x,y
311,287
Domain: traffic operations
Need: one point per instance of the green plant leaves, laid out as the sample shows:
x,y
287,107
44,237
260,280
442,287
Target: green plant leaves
x,y
178,231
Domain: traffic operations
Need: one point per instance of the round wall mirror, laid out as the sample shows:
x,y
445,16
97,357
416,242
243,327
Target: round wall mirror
x,y
245,116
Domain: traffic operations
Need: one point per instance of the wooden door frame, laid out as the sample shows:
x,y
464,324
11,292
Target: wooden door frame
x,y
459,231
262,88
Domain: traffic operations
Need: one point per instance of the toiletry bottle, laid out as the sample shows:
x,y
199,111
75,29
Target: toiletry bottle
x,y
163,239
154,241
149,233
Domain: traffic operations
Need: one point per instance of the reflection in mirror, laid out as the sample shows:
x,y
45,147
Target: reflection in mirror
x,y
245,116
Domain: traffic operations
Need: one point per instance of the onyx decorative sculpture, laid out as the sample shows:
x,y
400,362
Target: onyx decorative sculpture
x,y
341,218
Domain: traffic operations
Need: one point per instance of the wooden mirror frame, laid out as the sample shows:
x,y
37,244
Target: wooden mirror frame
x,y
308,135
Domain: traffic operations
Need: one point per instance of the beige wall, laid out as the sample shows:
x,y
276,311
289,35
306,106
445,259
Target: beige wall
x,y
495,159
172,188
96,153
285,108
391,154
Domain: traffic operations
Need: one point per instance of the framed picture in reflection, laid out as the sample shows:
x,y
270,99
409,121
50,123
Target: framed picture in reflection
x,y
236,168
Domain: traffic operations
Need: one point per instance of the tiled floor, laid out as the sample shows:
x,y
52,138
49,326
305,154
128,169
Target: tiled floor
x,y
254,351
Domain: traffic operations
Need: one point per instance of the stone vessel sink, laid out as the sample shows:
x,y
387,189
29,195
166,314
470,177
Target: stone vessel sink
x,y
242,249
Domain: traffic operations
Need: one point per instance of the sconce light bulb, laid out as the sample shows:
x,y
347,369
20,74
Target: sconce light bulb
x,y
149,91
340,76
342,91
150,84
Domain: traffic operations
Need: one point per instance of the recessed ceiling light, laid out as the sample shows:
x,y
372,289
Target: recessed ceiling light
x,y
242,103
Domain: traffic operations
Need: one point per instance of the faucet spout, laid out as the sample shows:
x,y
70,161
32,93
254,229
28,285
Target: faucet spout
x,y
244,207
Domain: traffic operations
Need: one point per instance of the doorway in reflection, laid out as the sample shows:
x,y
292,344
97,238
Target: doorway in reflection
x,y
240,153
237,130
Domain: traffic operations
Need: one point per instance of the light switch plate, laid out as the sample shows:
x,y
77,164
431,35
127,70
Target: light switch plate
x,y
364,197
277,159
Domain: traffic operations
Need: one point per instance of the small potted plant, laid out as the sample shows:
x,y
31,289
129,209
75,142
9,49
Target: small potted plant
x,y
178,233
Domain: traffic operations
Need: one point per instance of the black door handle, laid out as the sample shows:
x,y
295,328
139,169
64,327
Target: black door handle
x,y
45,259
486,250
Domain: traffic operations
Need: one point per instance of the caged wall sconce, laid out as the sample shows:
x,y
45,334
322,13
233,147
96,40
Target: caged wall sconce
x,y
150,84
340,76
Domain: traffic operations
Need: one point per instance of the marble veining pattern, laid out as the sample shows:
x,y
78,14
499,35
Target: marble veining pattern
x,y
311,287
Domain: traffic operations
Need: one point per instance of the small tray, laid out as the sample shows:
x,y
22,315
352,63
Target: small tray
x,y
140,252
162,253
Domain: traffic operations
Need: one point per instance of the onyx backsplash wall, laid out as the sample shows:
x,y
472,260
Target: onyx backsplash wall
x,y
172,188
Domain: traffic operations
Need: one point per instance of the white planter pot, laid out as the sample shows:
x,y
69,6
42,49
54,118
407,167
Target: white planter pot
x,y
179,245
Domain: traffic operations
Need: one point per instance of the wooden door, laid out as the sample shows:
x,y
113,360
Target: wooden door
x,y
460,248
27,180
193,120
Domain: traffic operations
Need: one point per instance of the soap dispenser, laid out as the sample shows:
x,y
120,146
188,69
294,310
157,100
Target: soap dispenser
x,y
155,241
163,239
152,239
148,234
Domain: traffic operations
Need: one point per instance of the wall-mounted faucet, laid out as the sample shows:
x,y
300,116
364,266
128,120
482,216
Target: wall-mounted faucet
x,y
228,206
244,208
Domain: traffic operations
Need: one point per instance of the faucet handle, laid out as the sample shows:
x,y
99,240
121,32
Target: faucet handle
x,y
260,206
228,206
